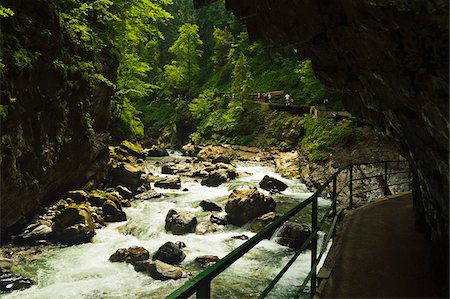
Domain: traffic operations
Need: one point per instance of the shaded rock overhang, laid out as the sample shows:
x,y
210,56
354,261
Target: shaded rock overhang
x,y
388,62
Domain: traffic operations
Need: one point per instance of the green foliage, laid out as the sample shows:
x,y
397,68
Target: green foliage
x,y
242,77
222,45
312,90
24,58
5,12
184,69
322,135
205,103
128,125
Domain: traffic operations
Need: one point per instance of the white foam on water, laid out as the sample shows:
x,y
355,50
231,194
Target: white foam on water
x,y
84,271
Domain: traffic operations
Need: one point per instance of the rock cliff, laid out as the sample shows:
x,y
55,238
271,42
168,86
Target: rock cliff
x,y
49,141
388,61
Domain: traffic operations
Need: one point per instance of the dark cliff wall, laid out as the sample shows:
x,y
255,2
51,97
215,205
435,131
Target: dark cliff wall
x,y
388,59
53,119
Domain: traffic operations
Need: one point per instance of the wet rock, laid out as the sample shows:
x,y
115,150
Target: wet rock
x,y
78,196
6,265
293,234
74,225
98,197
124,192
170,253
190,149
130,255
161,271
169,183
168,169
127,174
221,220
221,159
180,222
150,194
245,205
34,232
157,152
133,149
215,178
204,228
269,183
125,203
262,221
10,282
180,244
112,212
209,206
240,237
206,260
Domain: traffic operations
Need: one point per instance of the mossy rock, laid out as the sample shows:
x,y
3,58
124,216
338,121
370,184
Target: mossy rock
x,y
133,149
113,212
78,196
99,197
74,225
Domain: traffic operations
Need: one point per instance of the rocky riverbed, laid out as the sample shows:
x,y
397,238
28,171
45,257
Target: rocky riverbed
x,y
156,219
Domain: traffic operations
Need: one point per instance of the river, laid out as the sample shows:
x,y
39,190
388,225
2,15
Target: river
x,y
84,271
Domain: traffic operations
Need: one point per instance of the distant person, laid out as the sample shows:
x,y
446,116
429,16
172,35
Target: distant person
x,y
269,97
288,99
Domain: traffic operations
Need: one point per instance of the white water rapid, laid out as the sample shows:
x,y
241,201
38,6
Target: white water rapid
x,y
84,271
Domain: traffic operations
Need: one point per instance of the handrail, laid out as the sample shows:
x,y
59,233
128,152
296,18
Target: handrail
x,y
201,284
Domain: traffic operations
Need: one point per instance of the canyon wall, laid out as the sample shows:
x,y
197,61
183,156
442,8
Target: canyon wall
x,y
388,61
53,118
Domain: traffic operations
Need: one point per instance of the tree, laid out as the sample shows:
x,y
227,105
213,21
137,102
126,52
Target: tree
x,y
312,91
223,40
241,77
184,69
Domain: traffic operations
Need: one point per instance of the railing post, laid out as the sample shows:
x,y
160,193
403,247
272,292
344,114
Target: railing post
x,y
313,248
350,205
205,291
385,189
334,197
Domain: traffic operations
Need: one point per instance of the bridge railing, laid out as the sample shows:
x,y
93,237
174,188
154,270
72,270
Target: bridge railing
x,y
339,188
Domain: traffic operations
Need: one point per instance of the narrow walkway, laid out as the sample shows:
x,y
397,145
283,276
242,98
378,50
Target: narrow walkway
x,y
380,254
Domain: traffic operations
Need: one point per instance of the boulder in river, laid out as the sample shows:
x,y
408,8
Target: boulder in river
x,y
272,184
190,150
78,196
74,225
133,149
180,222
293,234
215,178
217,219
130,255
206,260
127,174
204,228
155,151
124,192
170,253
245,205
10,282
262,221
161,271
112,212
221,159
150,194
34,232
209,206
169,183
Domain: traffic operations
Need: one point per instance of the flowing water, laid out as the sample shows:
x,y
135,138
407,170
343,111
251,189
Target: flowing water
x,y
83,271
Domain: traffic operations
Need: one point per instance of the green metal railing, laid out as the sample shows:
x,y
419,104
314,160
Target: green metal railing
x,y
341,181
